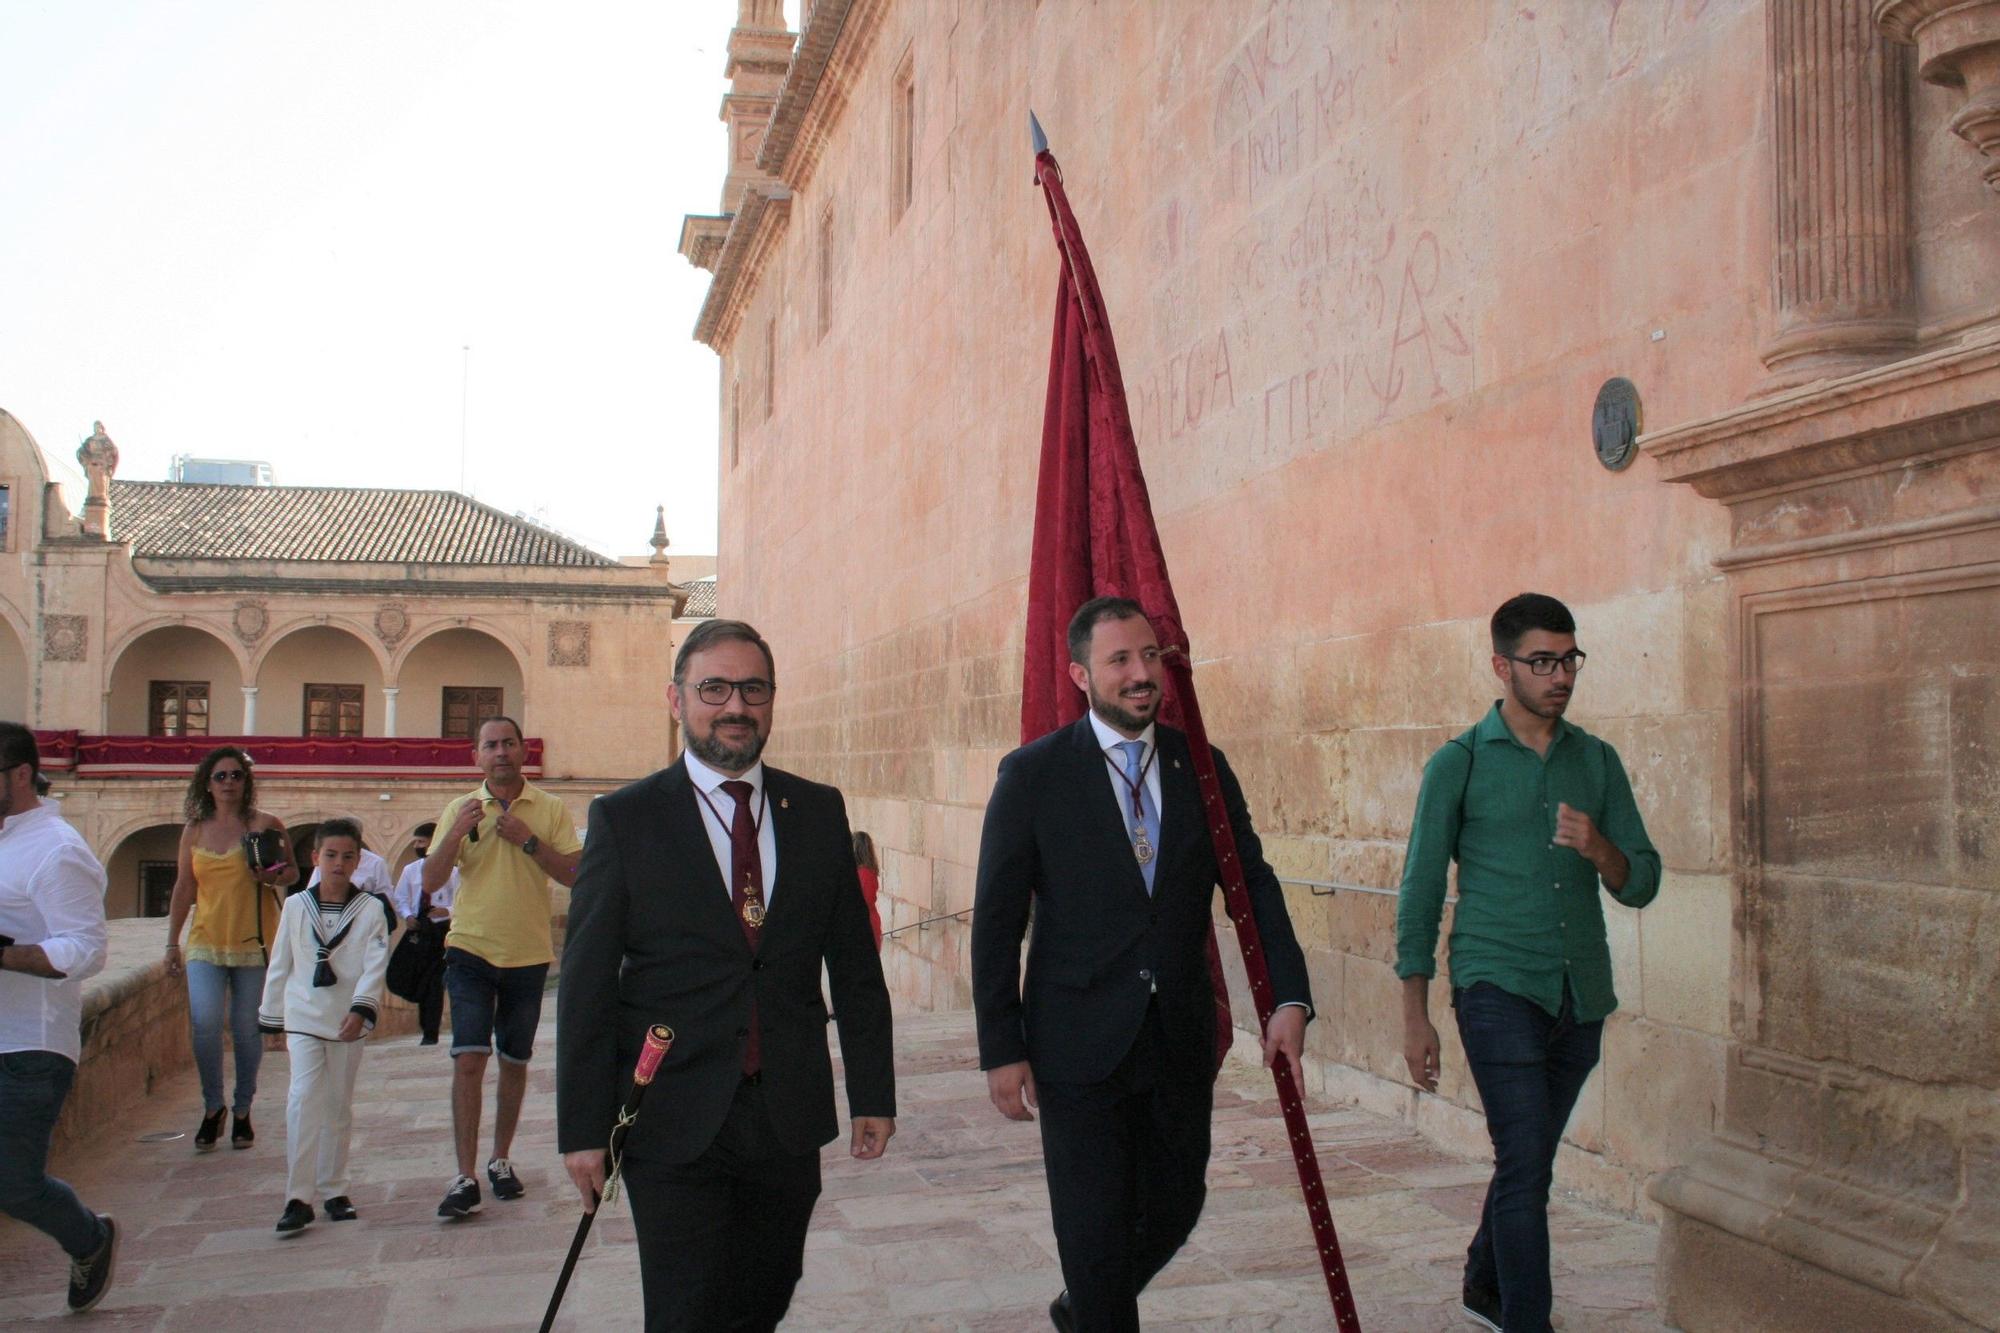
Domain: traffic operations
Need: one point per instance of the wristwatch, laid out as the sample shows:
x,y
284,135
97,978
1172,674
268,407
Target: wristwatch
x,y
532,845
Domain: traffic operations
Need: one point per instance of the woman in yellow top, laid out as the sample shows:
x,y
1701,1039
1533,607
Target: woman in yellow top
x,y
235,918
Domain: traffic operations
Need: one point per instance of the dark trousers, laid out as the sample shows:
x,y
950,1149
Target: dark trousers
x,y
722,1238
430,1003
1529,1067
1127,1161
33,1086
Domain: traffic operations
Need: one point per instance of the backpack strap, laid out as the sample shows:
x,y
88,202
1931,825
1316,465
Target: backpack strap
x,y
1466,743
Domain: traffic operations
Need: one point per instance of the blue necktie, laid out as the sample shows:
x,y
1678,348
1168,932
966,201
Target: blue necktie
x,y
1135,752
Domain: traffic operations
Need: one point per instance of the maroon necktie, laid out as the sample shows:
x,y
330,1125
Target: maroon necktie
x,y
746,885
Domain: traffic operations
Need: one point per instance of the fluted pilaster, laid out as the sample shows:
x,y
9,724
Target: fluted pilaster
x,y
1841,254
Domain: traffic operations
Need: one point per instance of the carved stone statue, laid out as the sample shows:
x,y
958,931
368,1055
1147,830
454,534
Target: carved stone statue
x,y
99,457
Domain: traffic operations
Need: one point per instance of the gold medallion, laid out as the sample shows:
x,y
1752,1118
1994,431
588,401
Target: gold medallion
x,y
753,912
1141,846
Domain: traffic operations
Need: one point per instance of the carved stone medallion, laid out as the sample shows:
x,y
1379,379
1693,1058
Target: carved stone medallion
x,y
391,624
250,621
569,643
65,638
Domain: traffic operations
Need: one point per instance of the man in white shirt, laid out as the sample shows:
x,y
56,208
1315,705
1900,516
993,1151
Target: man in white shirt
x,y
52,936
429,914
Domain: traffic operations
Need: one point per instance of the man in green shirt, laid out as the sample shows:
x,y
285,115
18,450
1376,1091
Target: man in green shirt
x,y
1537,812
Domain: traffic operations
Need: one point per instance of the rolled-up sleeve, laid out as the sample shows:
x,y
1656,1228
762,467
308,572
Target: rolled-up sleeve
x,y
71,897
1627,831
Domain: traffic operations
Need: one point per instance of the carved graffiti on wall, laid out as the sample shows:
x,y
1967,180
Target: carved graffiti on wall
x,y
1195,383
1349,310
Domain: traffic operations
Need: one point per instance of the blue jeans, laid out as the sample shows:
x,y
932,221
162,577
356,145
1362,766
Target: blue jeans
x,y
33,1085
207,1007
1529,1067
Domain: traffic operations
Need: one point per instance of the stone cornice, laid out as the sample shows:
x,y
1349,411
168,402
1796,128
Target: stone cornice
x,y
702,235
753,232
180,576
835,42
1939,402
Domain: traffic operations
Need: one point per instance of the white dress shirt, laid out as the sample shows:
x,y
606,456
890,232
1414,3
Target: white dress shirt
x,y
410,888
1108,740
372,875
708,782
51,894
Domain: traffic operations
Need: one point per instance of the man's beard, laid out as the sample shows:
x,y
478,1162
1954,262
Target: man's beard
x,y
717,753
1113,711
1546,707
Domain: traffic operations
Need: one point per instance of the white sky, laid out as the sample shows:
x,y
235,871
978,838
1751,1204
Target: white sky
x,y
266,230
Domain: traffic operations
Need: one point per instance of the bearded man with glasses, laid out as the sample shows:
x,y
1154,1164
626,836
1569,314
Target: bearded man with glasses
x,y
710,895
1538,814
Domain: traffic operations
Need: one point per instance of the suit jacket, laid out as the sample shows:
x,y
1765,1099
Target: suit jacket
x,y
653,938
1055,834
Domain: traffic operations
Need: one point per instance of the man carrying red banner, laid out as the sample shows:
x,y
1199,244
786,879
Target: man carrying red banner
x,y
1100,826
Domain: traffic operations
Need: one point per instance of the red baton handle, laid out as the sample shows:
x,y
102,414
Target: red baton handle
x,y
659,1040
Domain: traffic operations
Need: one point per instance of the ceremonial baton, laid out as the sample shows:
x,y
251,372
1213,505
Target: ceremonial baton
x,y
659,1039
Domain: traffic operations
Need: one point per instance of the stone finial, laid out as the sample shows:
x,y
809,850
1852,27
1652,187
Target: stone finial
x,y
1958,46
659,542
99,457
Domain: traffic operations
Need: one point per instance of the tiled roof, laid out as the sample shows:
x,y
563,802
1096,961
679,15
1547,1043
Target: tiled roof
x,y
194,521
701,600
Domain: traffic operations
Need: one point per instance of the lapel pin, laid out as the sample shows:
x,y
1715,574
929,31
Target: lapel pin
x,y
1177,763
784,803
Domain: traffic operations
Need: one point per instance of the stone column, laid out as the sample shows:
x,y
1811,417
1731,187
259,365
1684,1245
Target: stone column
x,y
389,693
249,710
1841,193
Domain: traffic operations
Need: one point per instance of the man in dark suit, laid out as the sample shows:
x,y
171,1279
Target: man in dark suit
x,y
709,895
1112,1036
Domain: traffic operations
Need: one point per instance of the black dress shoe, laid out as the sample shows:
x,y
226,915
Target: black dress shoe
x,y
340,1208
298,1215
1060,1315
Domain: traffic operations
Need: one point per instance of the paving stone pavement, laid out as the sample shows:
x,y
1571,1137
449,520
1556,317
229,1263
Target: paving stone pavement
x,y
949,1231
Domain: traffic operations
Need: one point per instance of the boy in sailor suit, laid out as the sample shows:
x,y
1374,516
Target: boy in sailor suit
x,y
322,990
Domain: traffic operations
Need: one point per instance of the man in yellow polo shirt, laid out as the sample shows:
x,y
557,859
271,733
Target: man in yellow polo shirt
x,y
507,840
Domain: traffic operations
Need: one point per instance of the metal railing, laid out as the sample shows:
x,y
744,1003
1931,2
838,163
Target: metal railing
x,y
1326,888
927,921
1321,888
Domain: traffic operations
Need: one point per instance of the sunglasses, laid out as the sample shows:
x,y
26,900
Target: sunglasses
x,y
227,775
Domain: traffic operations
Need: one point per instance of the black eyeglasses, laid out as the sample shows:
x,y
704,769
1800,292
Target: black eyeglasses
x,y
227,775
1571,661
716,690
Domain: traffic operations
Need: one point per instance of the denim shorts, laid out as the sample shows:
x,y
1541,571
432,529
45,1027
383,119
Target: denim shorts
x,y
493,1006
